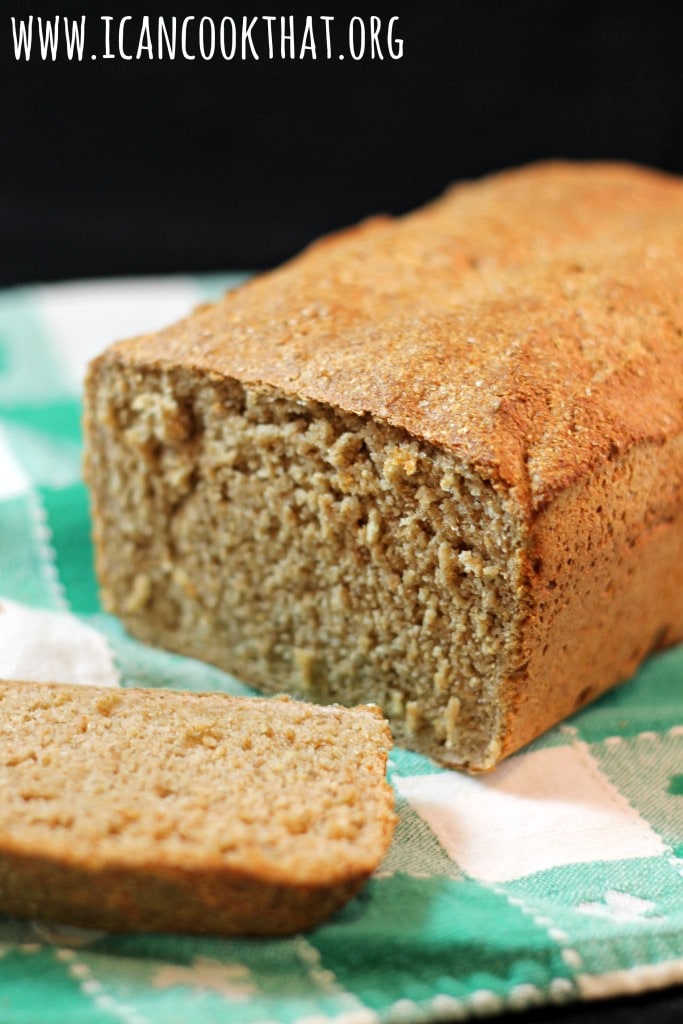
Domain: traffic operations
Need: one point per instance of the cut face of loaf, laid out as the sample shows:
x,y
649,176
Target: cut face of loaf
x,y
145,810
433,463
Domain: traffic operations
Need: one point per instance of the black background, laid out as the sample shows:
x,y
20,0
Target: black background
x,y
126,168
113,167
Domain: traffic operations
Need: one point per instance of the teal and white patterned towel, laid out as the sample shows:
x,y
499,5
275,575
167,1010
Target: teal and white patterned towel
x,y
558,877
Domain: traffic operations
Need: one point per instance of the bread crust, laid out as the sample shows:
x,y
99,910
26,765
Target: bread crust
x,y
530,325
529,322
604,587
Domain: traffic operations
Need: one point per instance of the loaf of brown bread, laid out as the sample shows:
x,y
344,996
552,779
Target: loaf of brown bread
x,y
435,462
153,810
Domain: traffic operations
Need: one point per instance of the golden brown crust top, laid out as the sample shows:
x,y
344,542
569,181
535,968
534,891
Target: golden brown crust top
x,y
532,322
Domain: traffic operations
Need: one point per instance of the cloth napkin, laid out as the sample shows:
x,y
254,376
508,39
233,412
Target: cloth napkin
x,y
558,877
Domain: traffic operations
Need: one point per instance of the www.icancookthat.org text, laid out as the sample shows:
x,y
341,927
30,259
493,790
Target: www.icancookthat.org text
x,y
204,38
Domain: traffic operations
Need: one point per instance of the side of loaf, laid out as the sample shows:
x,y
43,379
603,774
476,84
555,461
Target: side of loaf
x,y
147,810
435,462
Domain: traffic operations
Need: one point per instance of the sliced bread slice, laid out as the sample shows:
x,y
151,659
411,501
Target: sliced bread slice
x,y
150,810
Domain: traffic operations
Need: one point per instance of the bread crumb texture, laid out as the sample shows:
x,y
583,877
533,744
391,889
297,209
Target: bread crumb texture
x,y
158,810
434,462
